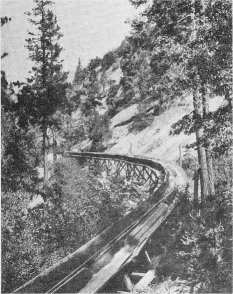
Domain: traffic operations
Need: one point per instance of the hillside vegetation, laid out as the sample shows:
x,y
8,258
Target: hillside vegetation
x,y
164,93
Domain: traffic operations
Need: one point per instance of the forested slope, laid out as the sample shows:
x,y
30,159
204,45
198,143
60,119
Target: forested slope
x,y
166,93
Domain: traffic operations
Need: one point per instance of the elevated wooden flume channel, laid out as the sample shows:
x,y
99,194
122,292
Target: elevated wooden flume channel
x,y
92,266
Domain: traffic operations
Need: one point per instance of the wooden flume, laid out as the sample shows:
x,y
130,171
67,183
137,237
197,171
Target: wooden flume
x,y
89,268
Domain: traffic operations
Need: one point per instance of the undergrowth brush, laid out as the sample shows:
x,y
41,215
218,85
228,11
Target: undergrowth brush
x,y
80,202
201,252
141,122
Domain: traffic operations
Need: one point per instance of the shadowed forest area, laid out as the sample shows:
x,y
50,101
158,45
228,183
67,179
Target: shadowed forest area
x,y
177,60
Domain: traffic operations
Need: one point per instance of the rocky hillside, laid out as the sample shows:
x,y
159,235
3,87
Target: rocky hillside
x,y
138,126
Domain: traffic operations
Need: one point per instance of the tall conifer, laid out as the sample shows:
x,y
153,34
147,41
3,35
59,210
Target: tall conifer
x,y
79,74
193,37
47,84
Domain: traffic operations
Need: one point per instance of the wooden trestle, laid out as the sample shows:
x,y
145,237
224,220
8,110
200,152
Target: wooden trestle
x,y
89,268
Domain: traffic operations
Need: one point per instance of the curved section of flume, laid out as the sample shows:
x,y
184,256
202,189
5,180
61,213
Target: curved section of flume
x,y
91,266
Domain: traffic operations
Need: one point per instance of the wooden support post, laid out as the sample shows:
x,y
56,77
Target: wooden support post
x,y
144,174
122,165
129,171
107,166
138,274
117,168
128,283
140,172
148,257
134,174
149,275
146,280
110,165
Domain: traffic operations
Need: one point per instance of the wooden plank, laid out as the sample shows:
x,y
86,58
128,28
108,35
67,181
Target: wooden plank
x,y
128,283
137,274
105,273
149,276
145,280
148,257
136,237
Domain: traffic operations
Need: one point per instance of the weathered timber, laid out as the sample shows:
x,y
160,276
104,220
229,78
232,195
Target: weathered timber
x,y
128,283
90,267
145,281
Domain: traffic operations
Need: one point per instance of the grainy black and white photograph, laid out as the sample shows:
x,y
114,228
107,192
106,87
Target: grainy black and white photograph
x,y
116,146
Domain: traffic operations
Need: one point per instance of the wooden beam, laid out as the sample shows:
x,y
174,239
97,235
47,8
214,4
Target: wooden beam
x,y
140,172
137,274
145,280
150,275
148,257
121,167
128,283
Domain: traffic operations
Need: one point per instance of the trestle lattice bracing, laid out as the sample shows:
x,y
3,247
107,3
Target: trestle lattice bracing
x,y
89,268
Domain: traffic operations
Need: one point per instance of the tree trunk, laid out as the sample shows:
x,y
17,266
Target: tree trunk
x,y
44,126
205,101
45,155
54,149
196,192
197,115
210,171
203,165
204,178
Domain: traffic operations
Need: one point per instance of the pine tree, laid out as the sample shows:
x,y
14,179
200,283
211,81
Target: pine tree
x,y
18,156
194,39
79,74
46,91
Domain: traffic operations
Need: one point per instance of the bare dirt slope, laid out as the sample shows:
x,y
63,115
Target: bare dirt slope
x,y
154,141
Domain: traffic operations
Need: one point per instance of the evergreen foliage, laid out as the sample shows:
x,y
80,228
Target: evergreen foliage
x,y
201,254
79,74
187,40
175,48
94,63
45,92
108,59
19,156
81,203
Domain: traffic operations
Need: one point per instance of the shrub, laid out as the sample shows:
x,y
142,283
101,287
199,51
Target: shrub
x,y
94,63
98,131
108,60
19,252
141,122
189,164
207,247
201,253
19,155
94,201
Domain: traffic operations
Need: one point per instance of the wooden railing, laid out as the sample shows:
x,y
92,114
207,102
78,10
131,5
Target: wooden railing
x,y
90,267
